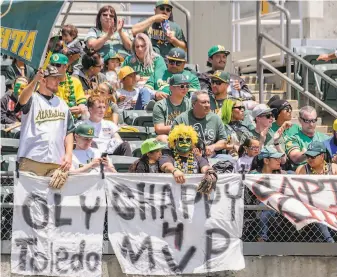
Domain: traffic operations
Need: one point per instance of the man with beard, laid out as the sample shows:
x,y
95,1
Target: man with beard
x,y
46,141
208,125
297,145
220,83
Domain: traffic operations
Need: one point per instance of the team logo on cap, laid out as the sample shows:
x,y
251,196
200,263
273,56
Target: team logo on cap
x,y
3,3
165,2
175,54
56,58
90,131
184,78
221,48
217,73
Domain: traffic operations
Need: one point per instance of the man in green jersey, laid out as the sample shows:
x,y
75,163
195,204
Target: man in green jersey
x,y
219,82
297,145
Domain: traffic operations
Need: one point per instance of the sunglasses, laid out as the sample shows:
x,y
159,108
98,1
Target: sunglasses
x,y
177,63
184,139
182,86
215,82
108,15
288,109
309,120
241,108
167,9
312,157
58,65
268,116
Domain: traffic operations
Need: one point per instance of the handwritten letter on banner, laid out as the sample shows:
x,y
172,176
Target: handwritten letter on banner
x,y
301,199
58,232
157,227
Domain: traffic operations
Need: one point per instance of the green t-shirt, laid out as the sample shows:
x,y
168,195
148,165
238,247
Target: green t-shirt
x,y
159,41
215,104
210,129
115,43
158,66
165,112
293,130
300,141
159,82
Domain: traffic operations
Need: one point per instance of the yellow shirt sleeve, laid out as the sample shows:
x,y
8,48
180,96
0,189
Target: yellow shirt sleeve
x,y
79,92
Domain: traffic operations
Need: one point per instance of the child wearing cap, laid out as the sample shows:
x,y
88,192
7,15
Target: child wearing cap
x,y
149,162
112,63
85,158
127,96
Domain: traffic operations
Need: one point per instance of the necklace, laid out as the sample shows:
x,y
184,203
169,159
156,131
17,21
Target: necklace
x,y
190,161
69,92
325,169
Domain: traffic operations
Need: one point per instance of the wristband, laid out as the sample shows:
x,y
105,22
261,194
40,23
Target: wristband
x,y
174,170
277,143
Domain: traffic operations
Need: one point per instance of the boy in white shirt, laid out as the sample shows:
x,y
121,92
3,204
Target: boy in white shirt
x,y
127,96
85,158
105,131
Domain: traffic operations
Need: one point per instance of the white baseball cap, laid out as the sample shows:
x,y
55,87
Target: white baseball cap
x,y
261,109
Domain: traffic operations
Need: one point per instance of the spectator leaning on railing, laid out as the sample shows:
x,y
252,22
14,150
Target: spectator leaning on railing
x,y
46,135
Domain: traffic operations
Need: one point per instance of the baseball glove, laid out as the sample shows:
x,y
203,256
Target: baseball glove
x,y
208,182
58,179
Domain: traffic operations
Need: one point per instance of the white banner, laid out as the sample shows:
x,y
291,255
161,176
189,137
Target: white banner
x,y
58,232
302,199
158,227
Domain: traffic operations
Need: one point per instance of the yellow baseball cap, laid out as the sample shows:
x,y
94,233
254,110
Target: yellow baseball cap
x,y
125,71
334,126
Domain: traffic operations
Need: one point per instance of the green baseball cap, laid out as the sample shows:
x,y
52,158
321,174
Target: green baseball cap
x,y
269,152
178,79
215,49
151,144
163,2
58,59
221,75
85,130
177,54
113,55
315,148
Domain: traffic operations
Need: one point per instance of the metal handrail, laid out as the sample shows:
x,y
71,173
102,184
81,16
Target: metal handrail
x,y
261,63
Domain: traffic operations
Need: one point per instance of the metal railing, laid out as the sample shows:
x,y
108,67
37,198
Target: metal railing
x,y
176,4
258,221
261,63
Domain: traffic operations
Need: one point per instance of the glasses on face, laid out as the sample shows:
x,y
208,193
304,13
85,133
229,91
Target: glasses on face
x,y
58,65
309,120
241,108
268,116
108,15
177,63
312,157
216,82
182,86
256,148
163,8
184,139
288,109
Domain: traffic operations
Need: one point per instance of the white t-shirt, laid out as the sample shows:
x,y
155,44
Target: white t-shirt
x,y
104,132
246,161
129,97
83,157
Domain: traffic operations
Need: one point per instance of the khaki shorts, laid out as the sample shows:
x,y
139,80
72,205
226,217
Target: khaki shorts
x,y
37,168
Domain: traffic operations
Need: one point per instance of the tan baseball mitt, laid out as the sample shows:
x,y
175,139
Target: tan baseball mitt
x,y
58,179
208,182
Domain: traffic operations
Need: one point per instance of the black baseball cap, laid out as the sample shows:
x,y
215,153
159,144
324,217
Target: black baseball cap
x,y
278,106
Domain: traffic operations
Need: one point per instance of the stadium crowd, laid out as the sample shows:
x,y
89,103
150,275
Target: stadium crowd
x,y
70,112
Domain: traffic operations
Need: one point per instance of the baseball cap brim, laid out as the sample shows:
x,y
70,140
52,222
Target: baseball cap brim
x,y
277,155
264,112
176,59
218,78
160,145
312,153
54,75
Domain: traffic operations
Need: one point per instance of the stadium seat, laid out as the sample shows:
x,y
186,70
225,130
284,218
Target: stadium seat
x,y
8,162
9,146
194,68
327,92
138,118
122,163
15,133
135,147
133,135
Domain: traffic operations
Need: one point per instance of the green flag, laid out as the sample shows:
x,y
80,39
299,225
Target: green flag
x,y
25,28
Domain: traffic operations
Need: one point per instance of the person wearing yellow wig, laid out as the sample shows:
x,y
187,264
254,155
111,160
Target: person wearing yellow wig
x,y
232,113
181,159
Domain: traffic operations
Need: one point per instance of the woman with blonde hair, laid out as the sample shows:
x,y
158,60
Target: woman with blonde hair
x,y
144,60
107,91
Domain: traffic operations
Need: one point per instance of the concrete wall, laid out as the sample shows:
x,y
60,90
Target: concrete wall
x,y
270,266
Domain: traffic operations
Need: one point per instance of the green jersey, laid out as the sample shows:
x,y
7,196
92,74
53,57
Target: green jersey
x,y
210,128
165,112
287,134
159,82
157,67
301,141
215,104
159,40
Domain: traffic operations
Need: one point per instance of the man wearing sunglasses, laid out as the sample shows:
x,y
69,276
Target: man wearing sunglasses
x,y
217,60
297,145
220,82
70,88
166,110
157,86
163,32
331,144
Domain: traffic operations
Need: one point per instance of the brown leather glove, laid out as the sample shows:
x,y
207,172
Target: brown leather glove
x,y
58,179
208,182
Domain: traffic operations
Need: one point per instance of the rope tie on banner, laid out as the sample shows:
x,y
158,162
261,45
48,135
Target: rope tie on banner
x,y
102,170
243,171
17,169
